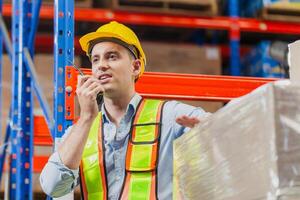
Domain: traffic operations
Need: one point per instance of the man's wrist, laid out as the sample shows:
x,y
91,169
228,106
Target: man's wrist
x,y
86,118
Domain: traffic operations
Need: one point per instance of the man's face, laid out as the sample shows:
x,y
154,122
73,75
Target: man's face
x,y
113,65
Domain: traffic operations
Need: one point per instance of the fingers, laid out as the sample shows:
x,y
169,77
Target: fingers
x,y
88,86
91,86
86,82
94,92
187,121
82,79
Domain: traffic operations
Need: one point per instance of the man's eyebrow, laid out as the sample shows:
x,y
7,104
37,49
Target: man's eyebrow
x,y
95,56
112,51
106,53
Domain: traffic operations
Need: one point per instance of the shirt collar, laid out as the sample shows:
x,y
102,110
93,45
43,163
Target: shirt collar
x,y
130,110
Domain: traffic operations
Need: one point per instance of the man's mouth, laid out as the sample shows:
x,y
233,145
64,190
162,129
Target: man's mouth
x,y
104,77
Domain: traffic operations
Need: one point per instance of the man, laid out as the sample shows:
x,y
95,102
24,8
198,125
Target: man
x,y
124,151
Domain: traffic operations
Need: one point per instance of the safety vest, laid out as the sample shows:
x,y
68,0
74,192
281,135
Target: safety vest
x,y
140,180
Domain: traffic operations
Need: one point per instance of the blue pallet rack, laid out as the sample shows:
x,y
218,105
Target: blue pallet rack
x,y
63,54
234,37
20,186
19,132
1,100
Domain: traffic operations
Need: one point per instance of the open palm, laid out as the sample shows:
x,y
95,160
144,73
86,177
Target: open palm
x,y
187,121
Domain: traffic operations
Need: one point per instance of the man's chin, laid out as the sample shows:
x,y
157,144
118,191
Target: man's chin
x,y
108,91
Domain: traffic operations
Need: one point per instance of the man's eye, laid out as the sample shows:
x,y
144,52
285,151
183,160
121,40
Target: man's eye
x,y
112,56
94,60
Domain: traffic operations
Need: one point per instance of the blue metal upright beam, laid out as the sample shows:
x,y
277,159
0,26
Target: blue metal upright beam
x,y
36,7
234,38
22,118
38,91
63,52
1,100
14,127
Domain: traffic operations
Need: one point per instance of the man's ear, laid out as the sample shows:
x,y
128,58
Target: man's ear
x,y
136,67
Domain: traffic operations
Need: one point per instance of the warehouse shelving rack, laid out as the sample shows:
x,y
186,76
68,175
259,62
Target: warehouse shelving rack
x,y
25,15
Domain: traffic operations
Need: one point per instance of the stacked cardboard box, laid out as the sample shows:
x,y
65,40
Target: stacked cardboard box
x,y
185,58
280,10
185,7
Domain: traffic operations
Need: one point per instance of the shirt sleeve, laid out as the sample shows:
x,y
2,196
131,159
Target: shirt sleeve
x,y
56,179
174,109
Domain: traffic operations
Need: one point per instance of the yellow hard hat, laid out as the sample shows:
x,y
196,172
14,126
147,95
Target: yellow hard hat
x,y
115,32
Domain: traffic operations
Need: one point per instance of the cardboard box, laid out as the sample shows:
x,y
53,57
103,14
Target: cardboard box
x,y
182,7
182,58
185,58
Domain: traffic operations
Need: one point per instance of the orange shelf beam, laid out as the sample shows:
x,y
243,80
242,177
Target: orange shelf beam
x,y
39,162
196,87
42,136
177,86
186,86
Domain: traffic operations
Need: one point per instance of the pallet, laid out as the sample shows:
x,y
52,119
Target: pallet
x,y
182,7
282,11
78,3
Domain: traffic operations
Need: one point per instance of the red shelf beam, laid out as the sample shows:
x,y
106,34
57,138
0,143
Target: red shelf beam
x,y
186,86
41,132
222,23
39,162
196,87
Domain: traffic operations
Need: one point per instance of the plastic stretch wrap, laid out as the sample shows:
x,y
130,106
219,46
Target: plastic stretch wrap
x,y
248,150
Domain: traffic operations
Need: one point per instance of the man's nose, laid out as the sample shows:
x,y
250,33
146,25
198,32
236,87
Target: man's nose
x,y
102,65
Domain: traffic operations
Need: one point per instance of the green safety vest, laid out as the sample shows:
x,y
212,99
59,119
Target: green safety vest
x,y
141,157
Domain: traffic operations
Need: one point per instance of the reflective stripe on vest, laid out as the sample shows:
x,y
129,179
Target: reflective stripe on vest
x,y
141,156
142,152
92,170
